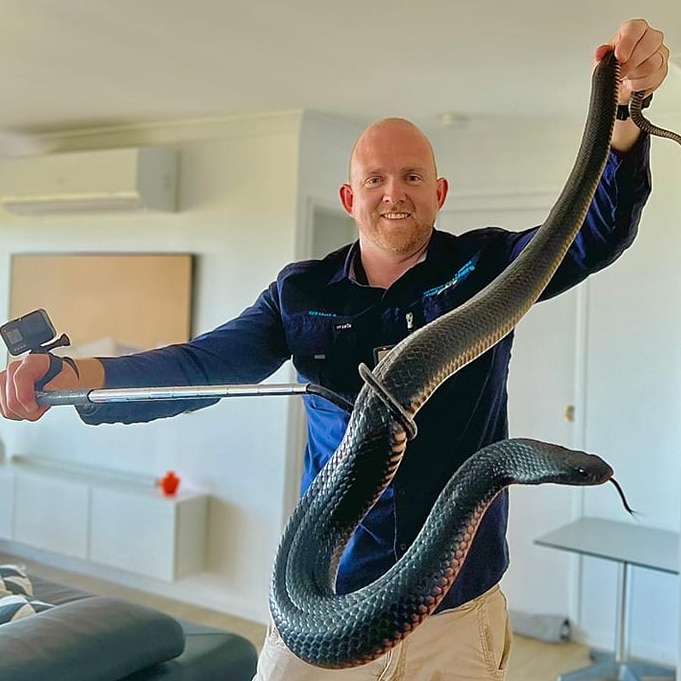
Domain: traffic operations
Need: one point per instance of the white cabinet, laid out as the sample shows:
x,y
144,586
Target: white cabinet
x,y
51,512
147,533
124,526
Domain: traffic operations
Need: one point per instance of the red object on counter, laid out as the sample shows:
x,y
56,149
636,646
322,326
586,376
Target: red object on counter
x,y
169,483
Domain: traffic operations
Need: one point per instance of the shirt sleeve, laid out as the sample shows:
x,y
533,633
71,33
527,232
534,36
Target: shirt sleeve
x,y
611,223
246,349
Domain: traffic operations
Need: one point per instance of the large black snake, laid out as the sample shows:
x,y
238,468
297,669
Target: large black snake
x,y
335,631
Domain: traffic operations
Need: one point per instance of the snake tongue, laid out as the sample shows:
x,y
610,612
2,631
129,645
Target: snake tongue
x,y
620,491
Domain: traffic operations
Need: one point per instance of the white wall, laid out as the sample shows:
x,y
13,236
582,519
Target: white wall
x,y
238,203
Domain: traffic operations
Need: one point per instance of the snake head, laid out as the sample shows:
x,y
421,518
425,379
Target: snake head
x,y
548,462
581,468
586,469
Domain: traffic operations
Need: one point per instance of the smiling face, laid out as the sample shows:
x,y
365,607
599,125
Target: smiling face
x,y
394,193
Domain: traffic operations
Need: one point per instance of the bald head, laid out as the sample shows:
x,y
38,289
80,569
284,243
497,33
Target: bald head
x,y
394,193
393,135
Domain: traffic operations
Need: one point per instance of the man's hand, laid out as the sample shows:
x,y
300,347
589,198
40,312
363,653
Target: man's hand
x,y
644,64
17,386
643,57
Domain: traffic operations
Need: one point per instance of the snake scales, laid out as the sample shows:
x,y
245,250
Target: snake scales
x,y
333,631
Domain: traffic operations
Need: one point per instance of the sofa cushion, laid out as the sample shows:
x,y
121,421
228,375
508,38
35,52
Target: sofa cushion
x,y
87,637
55,592
209,655
15,580
15,607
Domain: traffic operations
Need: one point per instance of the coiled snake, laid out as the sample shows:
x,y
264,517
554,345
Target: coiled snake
x,y
334,631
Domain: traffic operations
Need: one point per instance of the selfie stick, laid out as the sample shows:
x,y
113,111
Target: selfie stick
x,y
35,332
53,398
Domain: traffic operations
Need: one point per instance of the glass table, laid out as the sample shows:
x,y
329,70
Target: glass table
x,y
627,545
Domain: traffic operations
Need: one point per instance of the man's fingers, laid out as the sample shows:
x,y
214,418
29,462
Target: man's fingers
x,y
8,402
17,388
637,51
4,409
24,388
648,75
643,57
630,37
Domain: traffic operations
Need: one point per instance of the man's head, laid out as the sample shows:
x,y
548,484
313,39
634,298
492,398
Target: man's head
x,y
393,192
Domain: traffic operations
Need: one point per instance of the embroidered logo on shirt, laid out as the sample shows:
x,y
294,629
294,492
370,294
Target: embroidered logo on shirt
x,y
330,315
317,313
456,279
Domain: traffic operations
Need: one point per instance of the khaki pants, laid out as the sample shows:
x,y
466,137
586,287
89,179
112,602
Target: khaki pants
x,y
469,643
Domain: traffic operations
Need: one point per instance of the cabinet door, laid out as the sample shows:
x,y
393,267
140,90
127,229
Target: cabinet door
x,y
51,512
144,532
133,531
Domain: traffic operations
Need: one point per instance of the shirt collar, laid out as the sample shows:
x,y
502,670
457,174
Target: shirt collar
x,y
434,256
345,272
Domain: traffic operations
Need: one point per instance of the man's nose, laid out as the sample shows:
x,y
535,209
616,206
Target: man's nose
x,y
393,191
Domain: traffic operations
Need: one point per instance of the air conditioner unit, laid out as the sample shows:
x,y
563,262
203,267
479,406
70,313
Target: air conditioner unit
x,y
129,179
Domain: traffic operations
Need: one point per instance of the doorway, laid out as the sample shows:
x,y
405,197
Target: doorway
x,y
331,229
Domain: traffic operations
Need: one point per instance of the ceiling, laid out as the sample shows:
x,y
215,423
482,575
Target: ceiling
x,y
67,64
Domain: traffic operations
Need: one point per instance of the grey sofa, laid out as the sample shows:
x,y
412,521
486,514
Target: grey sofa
x,y
96,638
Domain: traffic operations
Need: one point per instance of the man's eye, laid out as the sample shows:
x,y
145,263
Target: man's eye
x,y
413,178
373,180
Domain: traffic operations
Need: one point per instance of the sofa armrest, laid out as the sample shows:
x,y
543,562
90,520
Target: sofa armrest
x,y
94,639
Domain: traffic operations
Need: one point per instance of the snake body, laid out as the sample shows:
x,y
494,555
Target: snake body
x,y
334,631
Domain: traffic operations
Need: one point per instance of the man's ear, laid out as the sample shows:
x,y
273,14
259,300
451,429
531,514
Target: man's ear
x,y
347,198
442,190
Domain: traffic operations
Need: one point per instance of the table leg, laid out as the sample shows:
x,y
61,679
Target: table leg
x,y
618,666
622,614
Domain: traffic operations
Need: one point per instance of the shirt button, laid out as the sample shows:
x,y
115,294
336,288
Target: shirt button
x,y
403,547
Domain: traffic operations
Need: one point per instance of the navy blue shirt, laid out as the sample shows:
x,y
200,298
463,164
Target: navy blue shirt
x,y
319,315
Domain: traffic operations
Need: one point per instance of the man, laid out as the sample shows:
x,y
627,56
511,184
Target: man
x,y
329,316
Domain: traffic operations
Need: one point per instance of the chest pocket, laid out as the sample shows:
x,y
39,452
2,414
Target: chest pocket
x,y
327,350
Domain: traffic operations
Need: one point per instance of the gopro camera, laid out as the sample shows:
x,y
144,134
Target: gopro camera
x,y
31,333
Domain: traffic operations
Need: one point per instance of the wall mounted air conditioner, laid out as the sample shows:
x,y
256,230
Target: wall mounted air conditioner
x,y
129,179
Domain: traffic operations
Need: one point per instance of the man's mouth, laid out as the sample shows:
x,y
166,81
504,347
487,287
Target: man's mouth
x,y
395,215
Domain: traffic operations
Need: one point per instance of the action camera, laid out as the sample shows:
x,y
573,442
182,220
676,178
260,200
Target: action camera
x,y
30,333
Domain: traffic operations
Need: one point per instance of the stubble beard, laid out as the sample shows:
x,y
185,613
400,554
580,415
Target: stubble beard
x,y
402,240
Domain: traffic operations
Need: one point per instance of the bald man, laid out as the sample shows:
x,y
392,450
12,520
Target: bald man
x,y
331,315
